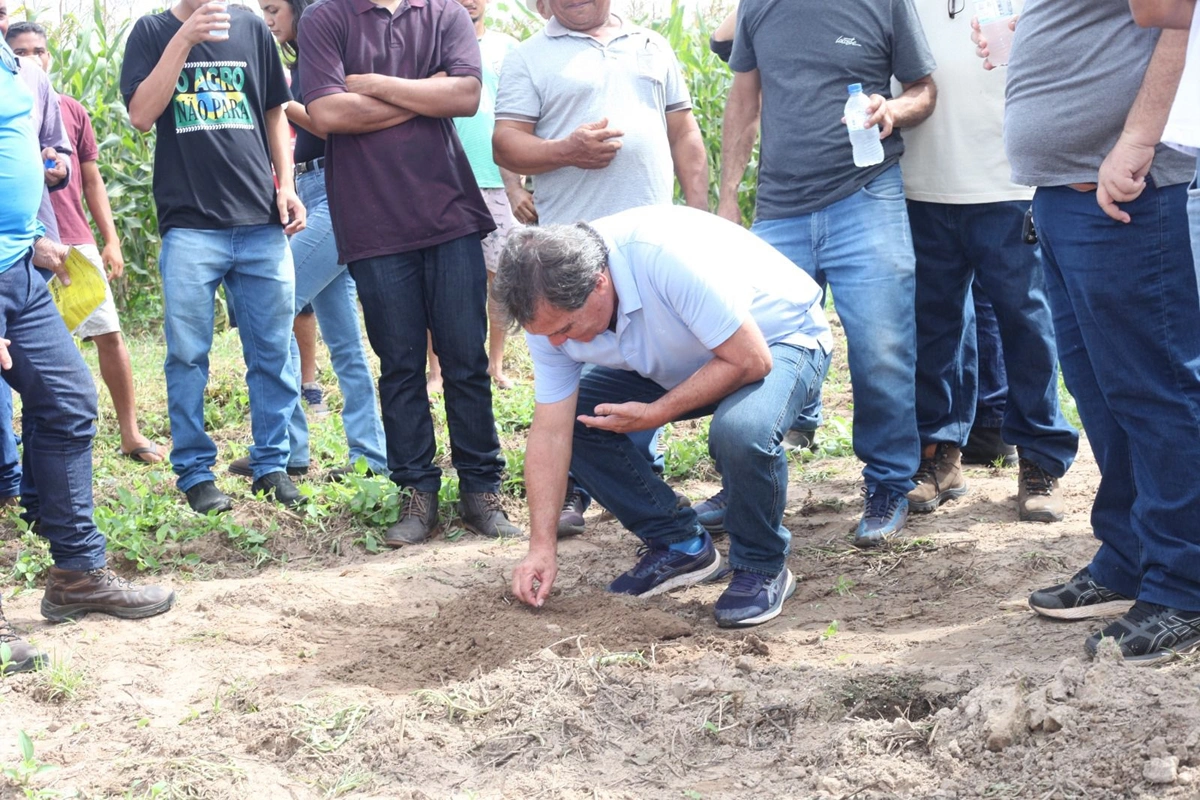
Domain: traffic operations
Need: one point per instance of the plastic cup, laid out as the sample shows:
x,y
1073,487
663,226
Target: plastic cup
x,y
220,34
994,17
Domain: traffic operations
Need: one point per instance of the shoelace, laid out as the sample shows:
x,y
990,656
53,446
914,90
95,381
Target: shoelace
x,y
111,577
572,502
491,501
649,559
1035,479
718,500
311,396
7,634
417,506
927,471
746,583
879,504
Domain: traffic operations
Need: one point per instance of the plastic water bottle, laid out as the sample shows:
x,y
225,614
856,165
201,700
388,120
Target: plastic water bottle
x,y
868,149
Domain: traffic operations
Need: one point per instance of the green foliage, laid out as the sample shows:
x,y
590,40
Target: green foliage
x,y
33,557
686,450
25,771
87,53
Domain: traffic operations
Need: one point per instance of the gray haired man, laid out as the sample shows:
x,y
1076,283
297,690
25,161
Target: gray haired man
x,y
647,297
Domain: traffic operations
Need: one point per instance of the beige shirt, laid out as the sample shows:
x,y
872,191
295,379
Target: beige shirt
x,y
957,155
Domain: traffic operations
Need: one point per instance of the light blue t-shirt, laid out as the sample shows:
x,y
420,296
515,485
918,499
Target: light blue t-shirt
x,y
475,132
21,181
685,281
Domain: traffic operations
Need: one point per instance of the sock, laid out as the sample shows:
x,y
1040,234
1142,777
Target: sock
x,y
689,546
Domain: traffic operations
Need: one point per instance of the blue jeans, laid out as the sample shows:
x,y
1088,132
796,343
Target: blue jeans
x,y
744,439
10,453
58,401
982,241
1127,319
256,265
325,283
989,355
861,247
442,289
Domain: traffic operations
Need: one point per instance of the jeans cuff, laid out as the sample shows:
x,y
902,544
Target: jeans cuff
x,y
759,570
82,563
667,539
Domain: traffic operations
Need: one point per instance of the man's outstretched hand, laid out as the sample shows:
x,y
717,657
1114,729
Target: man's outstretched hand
x,y
534,576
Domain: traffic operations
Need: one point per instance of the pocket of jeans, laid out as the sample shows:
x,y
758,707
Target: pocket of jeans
x,y
887,186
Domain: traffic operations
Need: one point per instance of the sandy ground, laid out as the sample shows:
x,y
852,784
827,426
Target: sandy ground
x,y
914,671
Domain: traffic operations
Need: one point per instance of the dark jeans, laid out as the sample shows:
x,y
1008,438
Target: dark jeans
x,y
745,442
1127,317
989,355
442,289
58,400
954,245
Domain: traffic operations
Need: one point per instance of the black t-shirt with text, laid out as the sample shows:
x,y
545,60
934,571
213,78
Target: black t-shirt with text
x,y
212,165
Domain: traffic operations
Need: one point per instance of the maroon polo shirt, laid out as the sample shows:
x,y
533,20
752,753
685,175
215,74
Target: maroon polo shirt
x,y
409,186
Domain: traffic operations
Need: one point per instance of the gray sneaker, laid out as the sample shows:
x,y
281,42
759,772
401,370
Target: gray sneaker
x,y
1080,597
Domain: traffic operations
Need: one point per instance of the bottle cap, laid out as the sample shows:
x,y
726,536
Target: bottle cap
x,y
854,88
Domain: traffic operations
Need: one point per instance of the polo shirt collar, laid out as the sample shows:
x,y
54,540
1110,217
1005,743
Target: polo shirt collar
x,y
363,6
629,299
555,29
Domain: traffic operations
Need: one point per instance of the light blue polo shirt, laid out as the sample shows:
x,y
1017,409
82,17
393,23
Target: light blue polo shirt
x,y
21,181
685,281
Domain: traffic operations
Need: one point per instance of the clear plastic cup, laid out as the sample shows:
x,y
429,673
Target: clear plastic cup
x,y
994,17
220,34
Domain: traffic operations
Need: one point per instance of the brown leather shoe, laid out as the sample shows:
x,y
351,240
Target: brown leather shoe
x,y
1039,497
418,520
71,594
483,514
21,655
939,477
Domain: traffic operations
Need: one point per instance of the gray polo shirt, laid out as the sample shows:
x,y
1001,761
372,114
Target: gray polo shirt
x,y
560,79
1075,69
685,282
807,52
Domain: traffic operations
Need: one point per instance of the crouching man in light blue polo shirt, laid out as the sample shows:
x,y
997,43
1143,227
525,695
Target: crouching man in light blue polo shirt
x,y
683,315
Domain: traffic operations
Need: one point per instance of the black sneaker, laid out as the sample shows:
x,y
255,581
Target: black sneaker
x,y
279,486
1150,633
206,498
1079,598
661,569
985,446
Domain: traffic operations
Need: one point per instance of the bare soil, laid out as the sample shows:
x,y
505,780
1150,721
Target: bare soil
x,y
913,671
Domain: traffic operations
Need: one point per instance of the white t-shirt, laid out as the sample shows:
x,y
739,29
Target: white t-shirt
x,y
1183,126
686,281
957,155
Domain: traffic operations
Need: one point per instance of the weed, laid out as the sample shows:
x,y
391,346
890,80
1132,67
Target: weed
x,y
686,449
457,703
347,781
637,659
23,774
59,681
33,557
323,732
843,586
830,631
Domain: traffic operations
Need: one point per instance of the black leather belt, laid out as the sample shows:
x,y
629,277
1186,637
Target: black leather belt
x,y
309,166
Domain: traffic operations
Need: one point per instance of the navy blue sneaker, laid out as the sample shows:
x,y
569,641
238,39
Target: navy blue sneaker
x,y
752,599
884,515
661,569
711,513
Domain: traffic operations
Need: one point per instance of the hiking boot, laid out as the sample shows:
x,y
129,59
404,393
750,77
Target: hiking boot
x,y
311,392
938,479
241,466
279,486
752,599
418,520
71,594
21,655
206,498
1079,598
884,515
796,439
661,569
1150,633
985,446
483,514
1039,498
711,513
570,519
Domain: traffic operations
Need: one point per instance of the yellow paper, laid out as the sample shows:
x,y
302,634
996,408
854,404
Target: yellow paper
x,y
85,294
